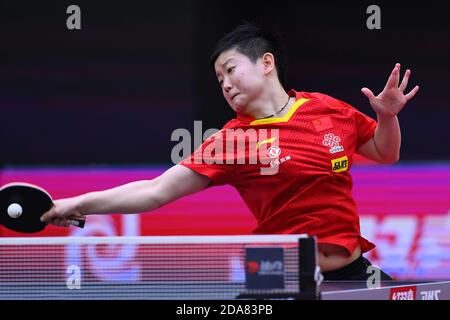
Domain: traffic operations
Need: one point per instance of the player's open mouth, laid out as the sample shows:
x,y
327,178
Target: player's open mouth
x,y
234,96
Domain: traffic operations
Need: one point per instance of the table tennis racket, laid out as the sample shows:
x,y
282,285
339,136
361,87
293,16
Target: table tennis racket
x,y
22,205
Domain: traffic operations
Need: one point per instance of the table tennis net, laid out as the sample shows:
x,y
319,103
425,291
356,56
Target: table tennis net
x,y
186,267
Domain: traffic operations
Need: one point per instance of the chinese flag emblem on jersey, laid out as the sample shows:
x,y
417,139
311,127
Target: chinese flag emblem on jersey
x,y
323,123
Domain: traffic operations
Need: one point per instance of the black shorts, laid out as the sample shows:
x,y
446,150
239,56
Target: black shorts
x,y
357,270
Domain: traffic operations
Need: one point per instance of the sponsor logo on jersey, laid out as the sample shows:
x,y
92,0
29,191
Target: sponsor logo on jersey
x,y
332,141
339,164
273,152
266,141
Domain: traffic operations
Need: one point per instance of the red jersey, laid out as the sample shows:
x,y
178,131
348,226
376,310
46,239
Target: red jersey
x,y
310,152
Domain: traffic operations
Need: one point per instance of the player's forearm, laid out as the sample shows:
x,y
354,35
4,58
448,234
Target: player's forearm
x,y
387,138
134,197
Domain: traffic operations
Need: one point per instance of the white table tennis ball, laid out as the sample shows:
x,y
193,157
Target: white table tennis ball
x,y
15,210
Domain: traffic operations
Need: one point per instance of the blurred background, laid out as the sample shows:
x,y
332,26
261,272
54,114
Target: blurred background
x,y
88,109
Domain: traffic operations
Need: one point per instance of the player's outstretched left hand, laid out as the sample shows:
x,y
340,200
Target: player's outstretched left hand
x,y
392,99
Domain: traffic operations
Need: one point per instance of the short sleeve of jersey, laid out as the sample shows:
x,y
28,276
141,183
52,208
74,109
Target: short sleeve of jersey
x,y
365,125
210,161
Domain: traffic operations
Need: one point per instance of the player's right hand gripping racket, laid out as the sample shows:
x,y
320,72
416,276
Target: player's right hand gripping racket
x,y
22,205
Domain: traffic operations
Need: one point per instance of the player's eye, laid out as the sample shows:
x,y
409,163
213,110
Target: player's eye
x,y
230,69
220,82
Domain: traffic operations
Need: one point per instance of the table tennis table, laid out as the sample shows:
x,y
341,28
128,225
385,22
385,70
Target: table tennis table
x,y
389,290
332,290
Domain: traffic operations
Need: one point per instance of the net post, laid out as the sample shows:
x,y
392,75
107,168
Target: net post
x,y
307,265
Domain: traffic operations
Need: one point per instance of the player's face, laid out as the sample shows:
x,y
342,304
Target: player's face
x,y
241,79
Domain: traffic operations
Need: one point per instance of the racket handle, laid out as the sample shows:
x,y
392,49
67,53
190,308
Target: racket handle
x,y
77,222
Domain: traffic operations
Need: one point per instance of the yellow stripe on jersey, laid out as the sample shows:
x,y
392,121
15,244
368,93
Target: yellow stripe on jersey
x,y
285,118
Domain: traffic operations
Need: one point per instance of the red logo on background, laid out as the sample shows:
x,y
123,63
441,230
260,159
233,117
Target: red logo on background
x,y
253,267
403,293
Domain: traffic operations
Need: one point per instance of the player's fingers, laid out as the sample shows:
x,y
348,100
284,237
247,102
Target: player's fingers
x,y
412,93
60,222
55,221
404,83
397,74
65,223
48,216
368,93
393,78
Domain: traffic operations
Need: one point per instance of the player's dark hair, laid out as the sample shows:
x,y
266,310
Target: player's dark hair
x,y
253,41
